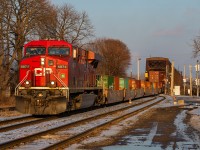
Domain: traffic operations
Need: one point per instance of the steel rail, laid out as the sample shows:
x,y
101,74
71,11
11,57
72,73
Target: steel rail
x,y
15,142
78,137
3,109
5,122
24,124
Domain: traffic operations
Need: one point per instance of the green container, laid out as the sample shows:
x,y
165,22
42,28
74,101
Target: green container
x,y
126,83
121,83
102,81
105,82
110,82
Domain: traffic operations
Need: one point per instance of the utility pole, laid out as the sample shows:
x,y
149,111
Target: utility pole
x,y
190,80
166,80
197,70
172,79
138,68
184,79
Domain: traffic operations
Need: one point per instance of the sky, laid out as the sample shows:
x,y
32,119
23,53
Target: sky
x,y
150,28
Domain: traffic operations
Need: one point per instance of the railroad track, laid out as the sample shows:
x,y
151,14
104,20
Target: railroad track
x,y
3,109
114,115
22,122
18,119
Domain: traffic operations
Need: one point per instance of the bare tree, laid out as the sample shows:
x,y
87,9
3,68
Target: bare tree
x,y
24,20
69,25
196,46
115,56
4,47
18,22
46,27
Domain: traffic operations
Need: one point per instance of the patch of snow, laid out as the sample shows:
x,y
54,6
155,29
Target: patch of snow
x,y
195,111
180,126
151,134
195,122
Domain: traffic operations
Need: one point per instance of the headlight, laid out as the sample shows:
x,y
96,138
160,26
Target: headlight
x,y
24,66
52,84
42,61
27,82
40,95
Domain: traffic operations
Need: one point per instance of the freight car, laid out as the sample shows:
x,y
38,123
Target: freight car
x,y
159,71
55,77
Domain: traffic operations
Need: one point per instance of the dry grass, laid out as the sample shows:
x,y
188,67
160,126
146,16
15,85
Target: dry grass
x,y
7,102
10,114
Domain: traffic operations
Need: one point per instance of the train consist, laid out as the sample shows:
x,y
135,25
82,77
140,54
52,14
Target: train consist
x,y
56,77
159,71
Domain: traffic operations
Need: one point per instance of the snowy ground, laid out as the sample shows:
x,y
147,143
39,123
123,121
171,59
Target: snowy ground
x,y
145,141
18,133
110,134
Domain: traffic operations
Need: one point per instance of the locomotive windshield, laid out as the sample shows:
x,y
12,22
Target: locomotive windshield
x,y
35,51
58,51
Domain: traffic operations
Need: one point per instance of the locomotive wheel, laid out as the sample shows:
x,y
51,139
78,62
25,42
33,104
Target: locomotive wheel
x,y
75,103
106,100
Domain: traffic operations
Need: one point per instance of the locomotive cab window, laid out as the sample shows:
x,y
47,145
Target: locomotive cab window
x,y
59,51
35,51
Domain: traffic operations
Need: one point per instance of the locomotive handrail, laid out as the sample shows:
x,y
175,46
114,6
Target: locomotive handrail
x,y
20,83
60,81
64,85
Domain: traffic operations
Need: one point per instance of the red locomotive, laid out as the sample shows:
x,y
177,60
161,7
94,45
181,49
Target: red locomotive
x,y
56,77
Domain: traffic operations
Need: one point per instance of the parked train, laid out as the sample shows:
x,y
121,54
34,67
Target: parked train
x,y
55,77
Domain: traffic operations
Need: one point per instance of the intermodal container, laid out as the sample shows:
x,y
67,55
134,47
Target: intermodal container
x,y
105,81
153,76
110,82
116,83
121,84
138,84
143,84
155,85
156,76
147,84
130,82
126,83
134,84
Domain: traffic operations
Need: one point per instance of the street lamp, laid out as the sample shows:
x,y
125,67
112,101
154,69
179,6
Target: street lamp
x,y
138,62
172,78
184,80
190,66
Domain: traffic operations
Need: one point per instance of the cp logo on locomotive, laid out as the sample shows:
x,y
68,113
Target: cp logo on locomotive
x,y
42,71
